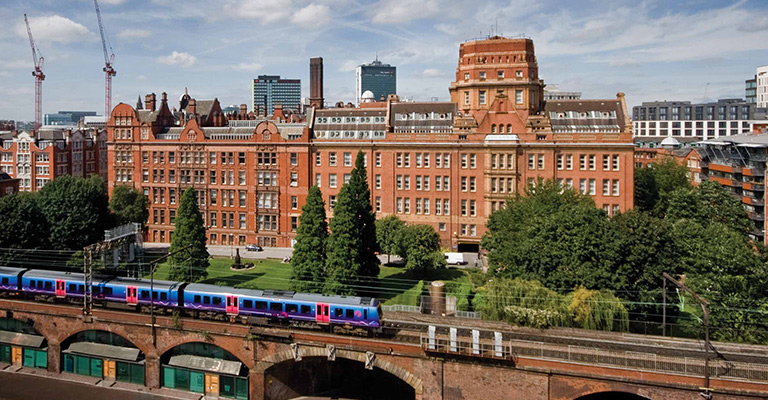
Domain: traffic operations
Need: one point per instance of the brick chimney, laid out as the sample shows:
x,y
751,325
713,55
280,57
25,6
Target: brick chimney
x,y
149,102
192,107
316,82
164,99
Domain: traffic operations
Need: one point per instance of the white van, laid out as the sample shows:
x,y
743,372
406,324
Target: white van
x,y
455,258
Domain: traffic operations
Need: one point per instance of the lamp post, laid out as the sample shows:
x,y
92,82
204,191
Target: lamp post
x,y
705,308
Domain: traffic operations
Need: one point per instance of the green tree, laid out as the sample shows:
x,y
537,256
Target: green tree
x,y
553,235
656,182
342,265
419,246
366,219
128,205
309,250
192,264
23,226
646,189
597,310
708,203
387,230
76,210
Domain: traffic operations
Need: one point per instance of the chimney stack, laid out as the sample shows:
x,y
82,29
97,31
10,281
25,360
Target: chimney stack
x,y
149,102
316,82
192,107
164,98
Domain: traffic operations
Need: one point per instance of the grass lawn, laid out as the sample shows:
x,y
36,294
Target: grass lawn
x,y
396,286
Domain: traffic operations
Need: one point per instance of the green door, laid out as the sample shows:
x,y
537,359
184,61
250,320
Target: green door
x,y
97,368
123,372
169,377
5,353
137,374
69,363
29,358
83,365
41,359
196,381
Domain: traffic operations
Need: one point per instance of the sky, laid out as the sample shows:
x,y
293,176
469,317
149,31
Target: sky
x,y
691,50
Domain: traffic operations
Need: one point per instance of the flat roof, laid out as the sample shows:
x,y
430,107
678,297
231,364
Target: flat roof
x,y
21,339
206,364
104,350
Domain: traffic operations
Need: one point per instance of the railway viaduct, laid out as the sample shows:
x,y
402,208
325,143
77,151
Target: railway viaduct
x,y
284,364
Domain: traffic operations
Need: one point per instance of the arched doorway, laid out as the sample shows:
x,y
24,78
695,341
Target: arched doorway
x,y
103,355
612,396
204,368
341,378
22,345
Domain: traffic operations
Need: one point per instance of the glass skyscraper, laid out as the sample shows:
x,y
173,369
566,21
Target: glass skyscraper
x,y
379,78
269,90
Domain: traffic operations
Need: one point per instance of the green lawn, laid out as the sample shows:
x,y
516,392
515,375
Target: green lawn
x,y
395,286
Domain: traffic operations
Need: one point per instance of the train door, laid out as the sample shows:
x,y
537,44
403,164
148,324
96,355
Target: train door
x,y
61,290
130,295
109,369
322,314
232,306
212,384
17,356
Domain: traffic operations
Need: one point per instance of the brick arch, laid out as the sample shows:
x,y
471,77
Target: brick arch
x,y
118,330
287,355
612,394
26,320
225,343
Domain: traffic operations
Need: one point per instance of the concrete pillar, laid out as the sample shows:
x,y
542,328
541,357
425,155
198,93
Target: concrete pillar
x,y
256,384
152,371
54,356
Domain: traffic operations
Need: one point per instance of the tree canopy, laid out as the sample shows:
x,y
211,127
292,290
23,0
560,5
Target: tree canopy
x,y
343,261
309,250
128,205
366,218
419,246
387,230
189,265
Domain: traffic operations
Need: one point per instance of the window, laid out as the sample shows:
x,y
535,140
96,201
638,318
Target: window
x,y
541,161
606,187
274,306
500,74
615,187
518,96
559,161
531,161
615,162
294,202
592,162
347,159
332,159
583,186
294,179
482,97
482,74
318,159
592,188
318,180
332,180
378,203
606,162
466,97
472,160
378,181
472,183
463,183
378,159
294,159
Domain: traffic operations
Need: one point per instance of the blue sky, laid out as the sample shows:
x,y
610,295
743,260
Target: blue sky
x,y
651,50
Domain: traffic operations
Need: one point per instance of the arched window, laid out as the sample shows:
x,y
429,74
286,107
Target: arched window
x,y
509,128
493,128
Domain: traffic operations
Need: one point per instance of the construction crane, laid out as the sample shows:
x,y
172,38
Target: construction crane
x,y
109,58
39,77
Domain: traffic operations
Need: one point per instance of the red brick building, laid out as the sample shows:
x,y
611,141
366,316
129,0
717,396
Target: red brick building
x,y
445,164
36,158
8,185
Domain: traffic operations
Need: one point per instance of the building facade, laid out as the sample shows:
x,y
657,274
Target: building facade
x,y
553,92
68,118
36,159
270,90
726,117
761,87
446,164
376,77
750,90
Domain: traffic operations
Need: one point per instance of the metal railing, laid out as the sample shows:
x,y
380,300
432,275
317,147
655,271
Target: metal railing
x,y
401,308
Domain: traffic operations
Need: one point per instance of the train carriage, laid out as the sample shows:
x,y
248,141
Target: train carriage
x,y
134,291
52,283
10,278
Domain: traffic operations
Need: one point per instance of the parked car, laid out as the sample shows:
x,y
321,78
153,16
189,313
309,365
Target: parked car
x,y
455,258
253,247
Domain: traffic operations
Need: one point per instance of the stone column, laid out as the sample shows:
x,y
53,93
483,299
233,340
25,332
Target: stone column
x,y
256,384
152,371
54,356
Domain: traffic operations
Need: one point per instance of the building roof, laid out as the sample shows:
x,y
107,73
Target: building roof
x,y
424,107
147,115
670,141
104,351
740,139
611,115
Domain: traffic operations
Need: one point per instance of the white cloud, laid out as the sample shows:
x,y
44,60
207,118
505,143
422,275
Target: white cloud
x,y
267,11
55,28
349,65
312,16
433,73
182,59
247,67
134,33
16,64
404,11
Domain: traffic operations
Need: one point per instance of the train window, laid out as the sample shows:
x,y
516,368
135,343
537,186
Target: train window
x,y
31,283
338,312
96,290
247,303
108,291
292,308
154,295
81,288
48,285
276,306
197,298
5,281
350,314
163,296
365,314
72,287
145,294
260,305
206,300
39,284
217,300
306,309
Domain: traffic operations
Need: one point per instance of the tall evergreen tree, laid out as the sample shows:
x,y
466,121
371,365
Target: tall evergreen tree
x,y
342,265
190,265
366,219
309,251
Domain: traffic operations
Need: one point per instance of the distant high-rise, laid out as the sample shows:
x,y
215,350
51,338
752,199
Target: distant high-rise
x,y
379,78
66,117
316,82
270,90
761,80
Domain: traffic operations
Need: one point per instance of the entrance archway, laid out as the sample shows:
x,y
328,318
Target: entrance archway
x,y
341,378
204,368
103,354
22,345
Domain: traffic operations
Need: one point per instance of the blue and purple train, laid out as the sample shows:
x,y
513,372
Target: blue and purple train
x,y
196,298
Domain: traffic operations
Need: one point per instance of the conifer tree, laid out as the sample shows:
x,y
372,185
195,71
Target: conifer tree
x,y
309,251
342,265
366,219
190,265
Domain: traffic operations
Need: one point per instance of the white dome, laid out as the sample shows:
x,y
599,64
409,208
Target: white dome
x,y
670,141
367,96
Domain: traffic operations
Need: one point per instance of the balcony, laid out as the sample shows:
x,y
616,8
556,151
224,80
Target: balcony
x,y
756,216
752,201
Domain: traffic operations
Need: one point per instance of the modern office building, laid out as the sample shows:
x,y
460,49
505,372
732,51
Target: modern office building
x,y
69,118
553,92
761,87
750,90
271,90
440,163
726,117
376,77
